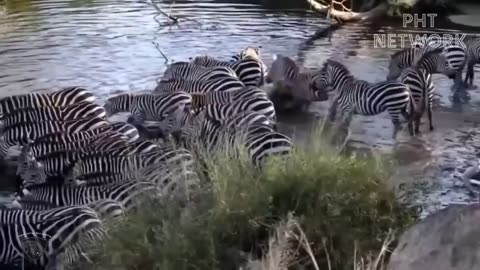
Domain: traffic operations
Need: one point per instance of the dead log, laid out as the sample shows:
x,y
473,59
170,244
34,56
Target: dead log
x,y
347,15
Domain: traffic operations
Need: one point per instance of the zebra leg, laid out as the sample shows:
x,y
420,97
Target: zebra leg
x,y
469,76
396,127
332,110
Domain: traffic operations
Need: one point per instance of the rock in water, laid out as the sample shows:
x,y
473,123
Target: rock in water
x,y
446,240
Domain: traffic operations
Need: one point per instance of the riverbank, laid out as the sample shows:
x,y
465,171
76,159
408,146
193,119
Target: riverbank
x,y
245,216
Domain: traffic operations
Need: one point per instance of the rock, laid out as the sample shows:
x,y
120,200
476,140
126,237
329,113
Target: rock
x,y
446,240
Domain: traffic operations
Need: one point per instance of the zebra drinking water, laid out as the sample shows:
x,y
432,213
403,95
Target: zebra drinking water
x,y
360,97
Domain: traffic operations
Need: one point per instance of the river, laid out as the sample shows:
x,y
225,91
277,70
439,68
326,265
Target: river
x,y
107,46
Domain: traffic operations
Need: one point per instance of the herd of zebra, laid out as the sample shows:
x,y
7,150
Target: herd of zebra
x,y
77,169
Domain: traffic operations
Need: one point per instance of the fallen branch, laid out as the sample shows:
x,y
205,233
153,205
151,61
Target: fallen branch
x,y
346,14
158,49
170,17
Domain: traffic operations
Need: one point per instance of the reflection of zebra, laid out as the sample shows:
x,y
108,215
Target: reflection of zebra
x,y
63,235
63,97
360,97
248,70
151,107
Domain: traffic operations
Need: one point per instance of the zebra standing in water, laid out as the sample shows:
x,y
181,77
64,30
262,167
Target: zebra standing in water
x,y
360,97
60,98
248,70
455,60
151,107
473,58
254,53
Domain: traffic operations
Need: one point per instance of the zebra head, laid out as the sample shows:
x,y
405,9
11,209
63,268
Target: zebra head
x,y
35,248
119,103
398,62
333,76
28,168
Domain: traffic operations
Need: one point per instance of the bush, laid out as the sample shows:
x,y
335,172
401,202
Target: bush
x,y
342,204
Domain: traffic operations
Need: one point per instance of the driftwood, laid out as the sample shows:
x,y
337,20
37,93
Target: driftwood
x,y
346,14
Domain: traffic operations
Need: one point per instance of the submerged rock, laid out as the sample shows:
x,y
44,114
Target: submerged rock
x,y
446,240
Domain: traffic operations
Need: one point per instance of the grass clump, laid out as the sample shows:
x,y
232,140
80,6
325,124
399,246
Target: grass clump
x,y
243,218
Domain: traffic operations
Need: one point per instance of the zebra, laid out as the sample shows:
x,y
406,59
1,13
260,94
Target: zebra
x,y
83,109
251,52
60,98
303,86
434,62
360,97
152,107
248,70
103,168
127,130
195,86
31,131
106,209
200,100
128,193
259,140
191,72
421,86
257,104
454,55
473,58
64,234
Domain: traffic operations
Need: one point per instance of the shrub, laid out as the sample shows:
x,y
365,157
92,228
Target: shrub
x,y
342,204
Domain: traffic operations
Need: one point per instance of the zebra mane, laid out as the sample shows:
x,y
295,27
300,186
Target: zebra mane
x,y
429,54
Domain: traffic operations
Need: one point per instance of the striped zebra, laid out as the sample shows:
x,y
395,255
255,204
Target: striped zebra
x,y
102,168
106,209
251,52
39,161
199,100
455,60
152,107
256,104
260,141
303,86
249,70
473,58
20,134
60,98
191,72
49,242
70,112
434,62
421,86
360,97
195,86
127,130
128,193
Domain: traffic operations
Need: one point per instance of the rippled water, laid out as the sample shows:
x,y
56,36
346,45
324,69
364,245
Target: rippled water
x,y
107,46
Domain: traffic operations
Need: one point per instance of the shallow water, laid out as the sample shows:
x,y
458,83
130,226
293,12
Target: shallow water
x,y
107,46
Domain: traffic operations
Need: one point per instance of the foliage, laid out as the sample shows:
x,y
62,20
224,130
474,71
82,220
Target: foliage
x,y
342,204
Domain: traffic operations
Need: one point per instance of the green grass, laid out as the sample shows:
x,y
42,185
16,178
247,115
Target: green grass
x,y
342,205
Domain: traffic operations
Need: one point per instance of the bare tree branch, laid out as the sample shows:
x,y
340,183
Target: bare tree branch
x,y
154,4
346,14
159,50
